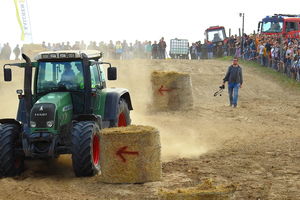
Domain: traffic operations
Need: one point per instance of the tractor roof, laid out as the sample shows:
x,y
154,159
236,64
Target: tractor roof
x,y
68,54
214,28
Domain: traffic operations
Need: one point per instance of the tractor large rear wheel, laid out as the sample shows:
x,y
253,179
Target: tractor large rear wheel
x,y
11,164
123,114
86,148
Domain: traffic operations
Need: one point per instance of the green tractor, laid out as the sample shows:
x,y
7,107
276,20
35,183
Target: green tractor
x,y
61,111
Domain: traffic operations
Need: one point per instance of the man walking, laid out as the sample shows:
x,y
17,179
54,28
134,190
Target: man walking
x,y
234,77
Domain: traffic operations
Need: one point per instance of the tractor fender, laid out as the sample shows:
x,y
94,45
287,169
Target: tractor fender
x,y
10,121
112,102
89,117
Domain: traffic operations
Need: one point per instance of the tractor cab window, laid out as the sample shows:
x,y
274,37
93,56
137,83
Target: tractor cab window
x,y
95,77
102,74
215,35
272,27
56,76
291,26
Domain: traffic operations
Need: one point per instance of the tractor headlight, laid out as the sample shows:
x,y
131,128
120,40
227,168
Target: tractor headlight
x,y
50,124
32,124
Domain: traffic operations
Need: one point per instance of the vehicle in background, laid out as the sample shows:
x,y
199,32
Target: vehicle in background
x,y
215,34
284,25
179,49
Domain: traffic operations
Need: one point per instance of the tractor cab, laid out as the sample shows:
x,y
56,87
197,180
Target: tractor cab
x,y
62,109
278,25
66,71
272,25
215,34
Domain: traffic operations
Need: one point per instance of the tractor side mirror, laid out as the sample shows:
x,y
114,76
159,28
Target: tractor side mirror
x,y
7,74
112,73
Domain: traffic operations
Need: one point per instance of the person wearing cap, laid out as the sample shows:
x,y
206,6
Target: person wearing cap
x,y
234,77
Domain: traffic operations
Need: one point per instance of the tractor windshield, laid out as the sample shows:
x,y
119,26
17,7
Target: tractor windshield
x,y
272,27
216,35
56,76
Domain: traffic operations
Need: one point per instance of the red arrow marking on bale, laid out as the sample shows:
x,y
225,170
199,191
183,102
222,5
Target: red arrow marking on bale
x,y
162,89
122,151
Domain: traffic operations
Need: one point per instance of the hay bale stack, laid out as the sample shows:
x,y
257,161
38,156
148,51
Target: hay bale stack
x,y
205,191
171,91
130,154
31,50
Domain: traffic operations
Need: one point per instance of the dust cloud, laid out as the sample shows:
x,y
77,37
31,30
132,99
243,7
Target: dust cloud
x,y
8,96
178,139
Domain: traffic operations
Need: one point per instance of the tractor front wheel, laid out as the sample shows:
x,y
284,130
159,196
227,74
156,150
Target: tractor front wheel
x,y
86,148
11,164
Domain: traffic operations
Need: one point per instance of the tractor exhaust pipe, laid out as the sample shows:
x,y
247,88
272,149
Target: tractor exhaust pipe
x,y
27,87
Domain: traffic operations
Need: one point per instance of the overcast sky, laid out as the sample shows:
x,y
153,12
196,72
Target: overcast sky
x,y
99,20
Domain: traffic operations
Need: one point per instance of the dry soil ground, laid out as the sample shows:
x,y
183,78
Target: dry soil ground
x,y
256,146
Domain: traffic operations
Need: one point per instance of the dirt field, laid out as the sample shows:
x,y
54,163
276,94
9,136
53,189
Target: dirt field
x,y
256,146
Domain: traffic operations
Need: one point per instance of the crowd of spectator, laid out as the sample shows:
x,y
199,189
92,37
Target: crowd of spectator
x,y
281,54
278,53
207,50
273,51
6,52
111,50
118,50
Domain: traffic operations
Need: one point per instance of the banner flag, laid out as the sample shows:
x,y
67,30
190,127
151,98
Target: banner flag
x,y
23,20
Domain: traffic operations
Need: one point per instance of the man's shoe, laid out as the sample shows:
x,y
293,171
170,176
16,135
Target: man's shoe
x,y
234,105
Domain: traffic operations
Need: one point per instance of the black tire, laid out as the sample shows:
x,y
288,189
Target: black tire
x,y
123,117
85,159
10,163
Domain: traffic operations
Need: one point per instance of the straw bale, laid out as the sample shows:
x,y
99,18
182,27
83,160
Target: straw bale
x,y
144,165
205,191
179,96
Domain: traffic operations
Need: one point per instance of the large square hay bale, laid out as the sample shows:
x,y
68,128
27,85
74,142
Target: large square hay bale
x,y
171,90
130,155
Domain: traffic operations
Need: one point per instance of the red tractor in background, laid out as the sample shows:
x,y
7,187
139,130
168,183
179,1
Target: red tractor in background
x,y
284,25
217,36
